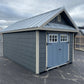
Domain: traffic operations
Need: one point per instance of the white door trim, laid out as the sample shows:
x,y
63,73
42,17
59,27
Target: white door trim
x,y
55,66
47,53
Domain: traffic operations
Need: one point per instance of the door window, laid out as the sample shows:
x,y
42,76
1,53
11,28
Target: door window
x,y
53,38
63,38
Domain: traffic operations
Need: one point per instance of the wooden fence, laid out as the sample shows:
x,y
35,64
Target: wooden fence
x,y
79,43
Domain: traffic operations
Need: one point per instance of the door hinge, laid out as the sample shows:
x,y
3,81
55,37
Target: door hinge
x,y
46,43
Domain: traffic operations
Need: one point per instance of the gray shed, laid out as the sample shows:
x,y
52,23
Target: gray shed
x,y
42,42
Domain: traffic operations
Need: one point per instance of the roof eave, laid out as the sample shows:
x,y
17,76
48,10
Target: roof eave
x,y
20,30
45,29
60,30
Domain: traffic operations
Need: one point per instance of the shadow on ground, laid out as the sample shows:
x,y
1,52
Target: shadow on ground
x,y
12,73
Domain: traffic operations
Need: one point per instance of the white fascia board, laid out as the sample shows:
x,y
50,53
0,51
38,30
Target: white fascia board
x,y
71,19
39,28
20,30
51,29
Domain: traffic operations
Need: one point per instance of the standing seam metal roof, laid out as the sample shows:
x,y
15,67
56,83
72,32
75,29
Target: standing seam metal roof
x,y
38,21
33,22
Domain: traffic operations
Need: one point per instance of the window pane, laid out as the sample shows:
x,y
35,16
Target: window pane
x,y
53,36
56,37
50,40
55,40
63,38
50,36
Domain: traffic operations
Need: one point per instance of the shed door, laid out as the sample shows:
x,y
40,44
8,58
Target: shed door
x,y
57,46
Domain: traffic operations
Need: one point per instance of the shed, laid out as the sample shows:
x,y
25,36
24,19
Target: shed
x,y
42,42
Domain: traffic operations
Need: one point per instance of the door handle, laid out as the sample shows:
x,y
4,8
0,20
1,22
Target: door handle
x,y
59,48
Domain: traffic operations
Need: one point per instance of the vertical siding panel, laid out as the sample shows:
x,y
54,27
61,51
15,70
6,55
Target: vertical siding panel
x,y
42,51
21,48
71,48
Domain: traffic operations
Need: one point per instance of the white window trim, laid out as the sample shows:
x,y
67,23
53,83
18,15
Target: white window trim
x,y
67,37
55,35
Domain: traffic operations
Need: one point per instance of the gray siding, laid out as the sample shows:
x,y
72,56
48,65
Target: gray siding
x,y
42,51
21,48
71,47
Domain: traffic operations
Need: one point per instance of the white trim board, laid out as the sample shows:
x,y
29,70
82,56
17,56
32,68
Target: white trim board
x,y
56,66
37,52
39,28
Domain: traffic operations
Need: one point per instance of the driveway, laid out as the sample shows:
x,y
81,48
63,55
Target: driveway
x,y
12,73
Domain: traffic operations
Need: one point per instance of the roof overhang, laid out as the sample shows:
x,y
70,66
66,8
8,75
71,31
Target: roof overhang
x,y
60,30
40,29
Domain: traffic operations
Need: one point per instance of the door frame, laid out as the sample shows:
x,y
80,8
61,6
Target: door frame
x,y
47,51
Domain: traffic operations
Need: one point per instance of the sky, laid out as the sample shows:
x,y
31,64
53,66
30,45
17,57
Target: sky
x,y
12,11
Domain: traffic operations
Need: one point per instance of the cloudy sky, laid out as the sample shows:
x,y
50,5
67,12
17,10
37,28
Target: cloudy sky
x,y
15,10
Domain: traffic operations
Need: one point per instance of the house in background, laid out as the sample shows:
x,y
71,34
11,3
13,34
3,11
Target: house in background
x,y
79,39
1,43
42,42
81,31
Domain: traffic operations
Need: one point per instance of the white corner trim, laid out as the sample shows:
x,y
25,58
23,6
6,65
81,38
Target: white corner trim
x,y
37,52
